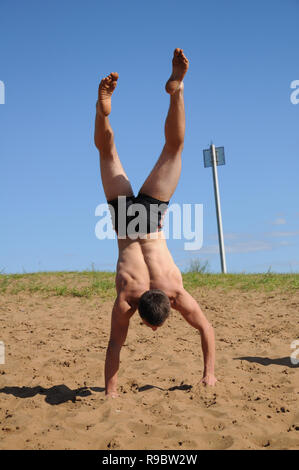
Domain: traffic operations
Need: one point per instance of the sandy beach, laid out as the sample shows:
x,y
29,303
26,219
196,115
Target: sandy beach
x,y
51,385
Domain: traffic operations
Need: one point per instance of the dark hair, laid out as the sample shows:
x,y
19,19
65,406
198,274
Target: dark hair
x,y
154,307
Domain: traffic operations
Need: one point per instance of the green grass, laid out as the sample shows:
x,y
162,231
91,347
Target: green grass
x,y
243,282
95,283
75,284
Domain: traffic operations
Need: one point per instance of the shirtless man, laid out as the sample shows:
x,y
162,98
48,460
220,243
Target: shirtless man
x,y
147,278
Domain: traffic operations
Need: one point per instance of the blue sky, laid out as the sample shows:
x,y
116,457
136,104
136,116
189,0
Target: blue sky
x,y
243,57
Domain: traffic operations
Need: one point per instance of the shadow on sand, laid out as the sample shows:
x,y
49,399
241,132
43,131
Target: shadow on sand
x,y
266,361
171,389
59,394
54,395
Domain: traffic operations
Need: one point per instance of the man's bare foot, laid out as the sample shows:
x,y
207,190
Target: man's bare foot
x,y
180,65
106,88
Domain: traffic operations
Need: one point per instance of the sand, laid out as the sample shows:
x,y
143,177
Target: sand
x,y
51,386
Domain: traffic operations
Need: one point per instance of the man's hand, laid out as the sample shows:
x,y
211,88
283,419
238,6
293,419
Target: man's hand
x,y
112,395
209,379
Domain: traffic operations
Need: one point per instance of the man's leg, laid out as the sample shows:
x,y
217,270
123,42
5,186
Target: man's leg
x,y
114,179
163,179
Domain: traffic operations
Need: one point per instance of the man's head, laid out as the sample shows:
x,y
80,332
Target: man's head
x,y
154,307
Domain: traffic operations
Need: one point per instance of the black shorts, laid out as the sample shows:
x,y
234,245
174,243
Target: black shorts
x,y
139,214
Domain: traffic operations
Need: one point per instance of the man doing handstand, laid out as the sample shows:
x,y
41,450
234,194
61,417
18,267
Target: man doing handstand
x,y
147,278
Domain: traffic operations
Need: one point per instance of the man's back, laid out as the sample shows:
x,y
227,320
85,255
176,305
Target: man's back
x,y
145,264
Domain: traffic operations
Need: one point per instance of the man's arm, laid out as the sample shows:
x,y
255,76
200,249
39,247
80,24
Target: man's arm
x,y
192,313
121,315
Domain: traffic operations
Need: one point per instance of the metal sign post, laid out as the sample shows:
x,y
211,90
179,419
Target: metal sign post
x,y
214,157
